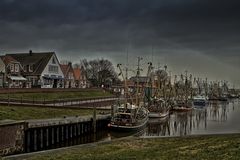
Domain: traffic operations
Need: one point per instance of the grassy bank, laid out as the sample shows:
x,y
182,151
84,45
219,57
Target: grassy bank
x,y
23,113
201,147
57,95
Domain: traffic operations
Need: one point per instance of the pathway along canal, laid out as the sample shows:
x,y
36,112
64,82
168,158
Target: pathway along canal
x,y
216,118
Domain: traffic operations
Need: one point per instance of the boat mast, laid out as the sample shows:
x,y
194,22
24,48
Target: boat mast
x,y
206,87
125,84
138,74
150,68
186,86
164,84
149,73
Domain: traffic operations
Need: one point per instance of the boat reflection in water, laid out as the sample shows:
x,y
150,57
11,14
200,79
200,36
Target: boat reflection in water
x,y
158,127
217,117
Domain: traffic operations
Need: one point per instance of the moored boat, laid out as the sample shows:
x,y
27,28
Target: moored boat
x,y
159,109
158,114
182,106
199,100
129,118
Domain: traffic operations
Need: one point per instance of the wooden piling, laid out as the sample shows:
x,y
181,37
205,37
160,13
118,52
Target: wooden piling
x,y
94,119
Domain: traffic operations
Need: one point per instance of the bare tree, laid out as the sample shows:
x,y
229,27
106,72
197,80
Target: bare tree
x,y
100,72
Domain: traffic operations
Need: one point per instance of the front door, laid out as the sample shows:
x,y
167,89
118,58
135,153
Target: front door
x,y
55,83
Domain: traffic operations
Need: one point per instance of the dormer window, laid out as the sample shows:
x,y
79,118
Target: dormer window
x,y
12,67
30,68
16,68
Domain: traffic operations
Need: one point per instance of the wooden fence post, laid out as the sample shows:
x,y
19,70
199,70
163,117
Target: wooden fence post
x,y
8,99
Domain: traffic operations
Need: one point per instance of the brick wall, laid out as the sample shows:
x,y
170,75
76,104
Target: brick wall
x,y
12,138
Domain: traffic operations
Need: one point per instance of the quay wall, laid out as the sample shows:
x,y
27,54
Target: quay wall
x,y
12,138
25,137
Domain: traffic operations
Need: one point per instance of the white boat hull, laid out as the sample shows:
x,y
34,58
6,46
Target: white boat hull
x,y
158,115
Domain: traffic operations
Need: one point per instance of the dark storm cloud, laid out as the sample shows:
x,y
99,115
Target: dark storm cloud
x,y
207,29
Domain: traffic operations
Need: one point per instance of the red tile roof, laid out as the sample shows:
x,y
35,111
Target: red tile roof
x,y
8,59
64,68
77,73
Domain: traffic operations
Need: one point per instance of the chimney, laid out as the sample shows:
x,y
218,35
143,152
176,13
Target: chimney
x,y
30,52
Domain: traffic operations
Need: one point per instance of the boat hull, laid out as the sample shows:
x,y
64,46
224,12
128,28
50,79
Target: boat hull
x,y
182,109
199,103
158,114
121,128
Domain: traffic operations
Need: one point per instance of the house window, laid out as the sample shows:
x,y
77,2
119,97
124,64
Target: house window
x,y
53,69
25,68
70,76
12,67
30,68
16,68
53,61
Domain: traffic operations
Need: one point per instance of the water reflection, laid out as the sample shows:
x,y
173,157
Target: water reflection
x,y
158,127
217,117
218,111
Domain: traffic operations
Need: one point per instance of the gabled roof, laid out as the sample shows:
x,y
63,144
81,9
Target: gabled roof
x,y
8,59
38,60
64,68
77,73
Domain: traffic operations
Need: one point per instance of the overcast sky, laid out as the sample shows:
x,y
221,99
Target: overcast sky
x,y
201,36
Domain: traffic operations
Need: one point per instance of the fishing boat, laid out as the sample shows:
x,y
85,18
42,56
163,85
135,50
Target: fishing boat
x,y
129,118
183,91
181,106
158,105
159,109
199,100
219,91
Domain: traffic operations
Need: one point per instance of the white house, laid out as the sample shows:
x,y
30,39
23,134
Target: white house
x,y
41,69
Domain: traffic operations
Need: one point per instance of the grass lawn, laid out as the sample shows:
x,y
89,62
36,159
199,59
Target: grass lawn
x,y
23,113
186,148
57,95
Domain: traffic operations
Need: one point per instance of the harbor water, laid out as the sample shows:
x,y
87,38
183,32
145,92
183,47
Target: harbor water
x,y
215,118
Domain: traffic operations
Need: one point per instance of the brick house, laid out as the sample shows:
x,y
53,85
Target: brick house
x,y
10,73
80,78
69,78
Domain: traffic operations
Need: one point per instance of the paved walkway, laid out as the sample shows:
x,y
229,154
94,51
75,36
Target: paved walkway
x,y
64,104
